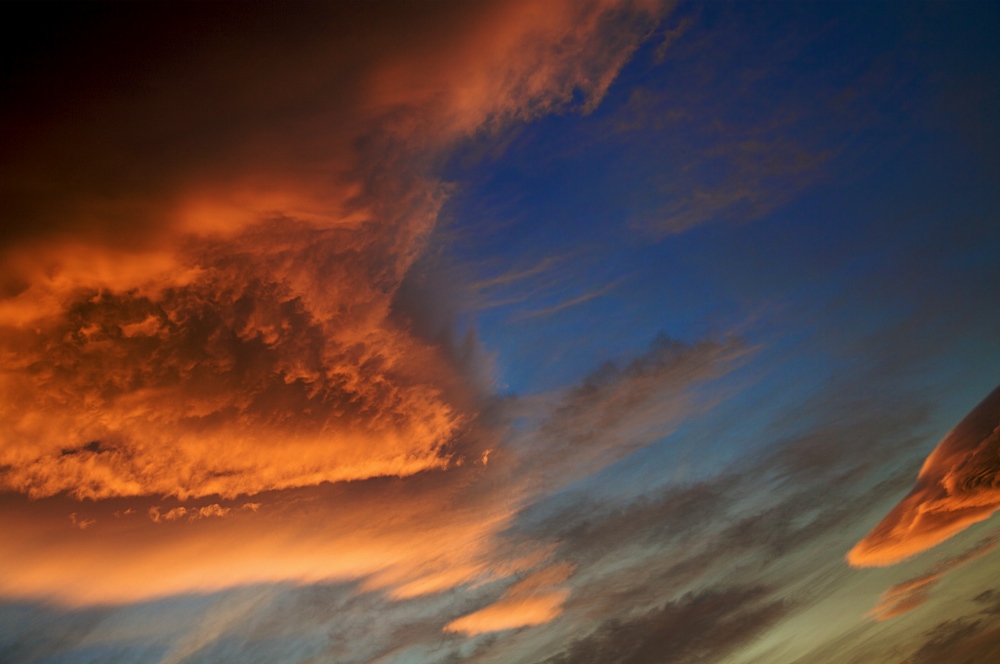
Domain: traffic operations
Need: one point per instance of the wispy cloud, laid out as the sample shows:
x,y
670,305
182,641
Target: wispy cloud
x,y
254,299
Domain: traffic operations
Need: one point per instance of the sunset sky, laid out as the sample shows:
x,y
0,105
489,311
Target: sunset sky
x,y
555,332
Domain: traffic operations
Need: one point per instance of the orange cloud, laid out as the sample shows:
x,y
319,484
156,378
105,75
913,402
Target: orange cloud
x,y
179,334
225,326
912,593
958,485
535,600
404,537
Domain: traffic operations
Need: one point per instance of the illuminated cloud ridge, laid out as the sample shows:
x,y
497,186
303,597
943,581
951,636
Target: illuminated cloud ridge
x,y
958,485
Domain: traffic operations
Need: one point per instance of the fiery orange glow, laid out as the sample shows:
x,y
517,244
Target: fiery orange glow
x,y
395,534
958,485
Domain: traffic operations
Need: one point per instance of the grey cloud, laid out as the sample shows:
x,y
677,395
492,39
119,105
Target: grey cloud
x,y
702,626
256,624
589,531
752,520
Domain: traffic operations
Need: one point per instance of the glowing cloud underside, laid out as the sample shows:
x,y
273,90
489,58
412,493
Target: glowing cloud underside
x,y
180,333
959,485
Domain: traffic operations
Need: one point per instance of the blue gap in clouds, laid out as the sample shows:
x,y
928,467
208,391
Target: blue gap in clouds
x,y
568,188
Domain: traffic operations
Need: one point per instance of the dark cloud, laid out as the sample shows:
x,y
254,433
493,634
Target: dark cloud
x,y
816,483
590,531
702,626
754,519
958,641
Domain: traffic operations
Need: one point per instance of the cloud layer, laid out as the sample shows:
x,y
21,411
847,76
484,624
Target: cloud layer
x,y
958,485
216,317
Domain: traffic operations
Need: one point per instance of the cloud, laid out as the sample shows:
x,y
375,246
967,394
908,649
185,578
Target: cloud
x,y
297,387
534,600
719,156
912,593
571,302
958,642
220,319
192,513
758,176
702,626
809,484
82,524
775,516
992,599
617,410
958,485
407,537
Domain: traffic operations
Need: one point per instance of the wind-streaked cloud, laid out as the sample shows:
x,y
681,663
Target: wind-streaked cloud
x,y
912,593
958,485
535,600
960,641
619,408
699,626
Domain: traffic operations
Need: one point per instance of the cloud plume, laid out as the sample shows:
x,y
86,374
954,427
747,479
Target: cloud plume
x,y
958,485
218,320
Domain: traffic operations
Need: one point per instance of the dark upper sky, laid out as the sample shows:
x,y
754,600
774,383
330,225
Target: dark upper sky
x,y
553,332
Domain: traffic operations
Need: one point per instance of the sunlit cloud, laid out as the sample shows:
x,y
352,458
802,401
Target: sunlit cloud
x,y
907,595
204,351
534,600
958,485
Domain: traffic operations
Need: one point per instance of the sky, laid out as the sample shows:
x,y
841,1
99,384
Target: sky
x,y
563,332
